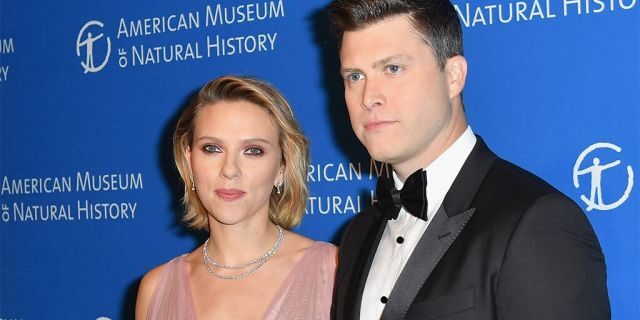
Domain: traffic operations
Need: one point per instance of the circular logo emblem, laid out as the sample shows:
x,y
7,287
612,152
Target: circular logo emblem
x,y
595,169
87,42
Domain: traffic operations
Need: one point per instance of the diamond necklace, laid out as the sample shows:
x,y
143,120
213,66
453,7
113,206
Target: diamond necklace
x,y
258,262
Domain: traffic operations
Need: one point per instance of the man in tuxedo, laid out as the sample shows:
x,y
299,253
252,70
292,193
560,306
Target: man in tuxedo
x,y
458,233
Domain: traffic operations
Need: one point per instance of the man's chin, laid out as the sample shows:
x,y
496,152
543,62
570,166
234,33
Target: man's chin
x,y
377,154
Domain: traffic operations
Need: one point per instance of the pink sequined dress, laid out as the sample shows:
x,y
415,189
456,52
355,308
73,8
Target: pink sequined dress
x,y
304,294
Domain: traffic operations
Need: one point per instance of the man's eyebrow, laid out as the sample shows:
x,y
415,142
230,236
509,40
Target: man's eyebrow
x,y
379,63
349,70
386,60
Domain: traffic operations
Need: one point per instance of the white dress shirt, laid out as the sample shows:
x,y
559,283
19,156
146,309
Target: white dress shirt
x,y
401,235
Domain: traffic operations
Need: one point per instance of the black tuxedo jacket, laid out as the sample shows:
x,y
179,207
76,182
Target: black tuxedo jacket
x,y
504,245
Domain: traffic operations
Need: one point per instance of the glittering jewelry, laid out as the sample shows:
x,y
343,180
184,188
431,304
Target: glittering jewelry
x,y
278,186
258,262
193,183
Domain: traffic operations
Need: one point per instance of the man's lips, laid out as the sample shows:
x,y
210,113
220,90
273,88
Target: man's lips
x,y
229,194
373,125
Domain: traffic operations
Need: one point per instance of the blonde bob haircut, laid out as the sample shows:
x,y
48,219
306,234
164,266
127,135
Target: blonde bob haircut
x,y
285,209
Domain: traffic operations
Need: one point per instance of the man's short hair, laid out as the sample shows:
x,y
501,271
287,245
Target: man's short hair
x,y
436,20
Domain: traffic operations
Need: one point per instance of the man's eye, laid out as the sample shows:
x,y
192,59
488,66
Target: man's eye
x,y
353,77
254,151
393,69
210,148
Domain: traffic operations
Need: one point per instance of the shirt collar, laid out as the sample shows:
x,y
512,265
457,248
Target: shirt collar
x,y
443,170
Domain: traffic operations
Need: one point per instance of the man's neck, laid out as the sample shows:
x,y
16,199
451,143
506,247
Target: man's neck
x,y
437,147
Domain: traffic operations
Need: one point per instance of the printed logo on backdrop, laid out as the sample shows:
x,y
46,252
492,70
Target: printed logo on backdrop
x,y
6,47
598,167
94,197
87,42
480,13
205,36
342,173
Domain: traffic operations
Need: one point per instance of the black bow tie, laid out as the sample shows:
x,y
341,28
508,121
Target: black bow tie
x,y
413,196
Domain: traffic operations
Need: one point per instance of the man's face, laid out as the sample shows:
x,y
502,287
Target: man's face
x,y
399,101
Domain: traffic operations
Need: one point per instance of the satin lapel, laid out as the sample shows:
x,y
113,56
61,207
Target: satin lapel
x,y
363,264
469,179
447,224
435,241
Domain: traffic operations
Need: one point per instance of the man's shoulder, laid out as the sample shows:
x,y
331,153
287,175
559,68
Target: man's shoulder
x,y
507,184
508,177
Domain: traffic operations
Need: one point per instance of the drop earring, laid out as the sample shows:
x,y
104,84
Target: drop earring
x,y
193,183
279,186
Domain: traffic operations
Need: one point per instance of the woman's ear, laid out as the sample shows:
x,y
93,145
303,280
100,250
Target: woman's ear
x,y
280,176
187,157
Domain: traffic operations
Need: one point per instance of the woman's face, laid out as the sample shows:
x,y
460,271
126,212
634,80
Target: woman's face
x,y
236,161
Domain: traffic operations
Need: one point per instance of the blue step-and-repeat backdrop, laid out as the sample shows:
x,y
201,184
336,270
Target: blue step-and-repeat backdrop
x,y
90,92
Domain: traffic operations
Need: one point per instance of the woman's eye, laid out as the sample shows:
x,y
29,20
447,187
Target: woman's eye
x,y
254,151
210,148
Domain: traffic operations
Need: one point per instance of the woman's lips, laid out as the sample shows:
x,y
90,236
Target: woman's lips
x,y
229,194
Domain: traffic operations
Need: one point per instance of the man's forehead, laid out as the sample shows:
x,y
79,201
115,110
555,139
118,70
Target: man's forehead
x,y
401,22
393,28
372,50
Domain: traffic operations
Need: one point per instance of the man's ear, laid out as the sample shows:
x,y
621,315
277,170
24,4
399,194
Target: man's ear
x,y
456,73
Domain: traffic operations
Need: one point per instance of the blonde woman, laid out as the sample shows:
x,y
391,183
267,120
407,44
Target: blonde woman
x,y
243,159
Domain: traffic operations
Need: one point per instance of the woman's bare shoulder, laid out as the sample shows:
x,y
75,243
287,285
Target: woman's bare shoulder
x,y
146,288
